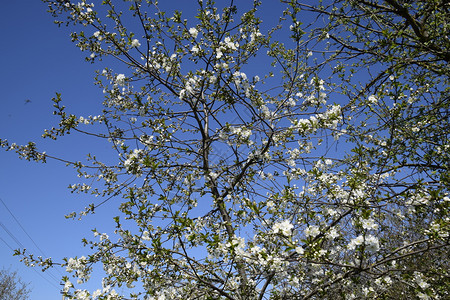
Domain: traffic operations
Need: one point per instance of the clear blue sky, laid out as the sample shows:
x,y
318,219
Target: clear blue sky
x,y
38,59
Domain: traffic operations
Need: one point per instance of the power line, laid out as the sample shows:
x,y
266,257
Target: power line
x,y
7,244
23,229
20,245
12,236
16,240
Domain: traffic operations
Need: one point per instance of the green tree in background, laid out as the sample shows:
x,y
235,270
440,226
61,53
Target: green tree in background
x,y
309,160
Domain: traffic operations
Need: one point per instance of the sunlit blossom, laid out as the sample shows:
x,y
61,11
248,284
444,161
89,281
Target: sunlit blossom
x,y
369,224
312,231
120,79
193,32
135,43
372,99
283,227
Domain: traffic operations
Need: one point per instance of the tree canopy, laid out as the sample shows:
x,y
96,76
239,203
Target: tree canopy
x,y
307,159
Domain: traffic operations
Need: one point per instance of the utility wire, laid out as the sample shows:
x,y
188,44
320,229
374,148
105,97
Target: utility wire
x,y
20,245
7,244
23,229
32,240
11,235
52,276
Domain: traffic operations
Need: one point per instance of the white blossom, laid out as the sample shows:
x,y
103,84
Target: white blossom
x,y
419,279
120,79
193,32
372,244
284,227
135,43
229,44
312,231
299,250
195,49
372,99
423,296
355,242
369,224
219,53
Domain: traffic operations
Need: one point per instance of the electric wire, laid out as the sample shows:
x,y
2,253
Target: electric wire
x,y
20,244
21,227
11,235
7,245
32,240
16,240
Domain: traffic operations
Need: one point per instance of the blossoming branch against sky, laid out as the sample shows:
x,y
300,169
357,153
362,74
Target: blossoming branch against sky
x,y
39,60
251,150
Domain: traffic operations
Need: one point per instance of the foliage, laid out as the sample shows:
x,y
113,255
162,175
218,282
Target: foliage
x,y
304,161
12,287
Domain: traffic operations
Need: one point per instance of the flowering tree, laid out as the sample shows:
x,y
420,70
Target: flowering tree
x,y
323,173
